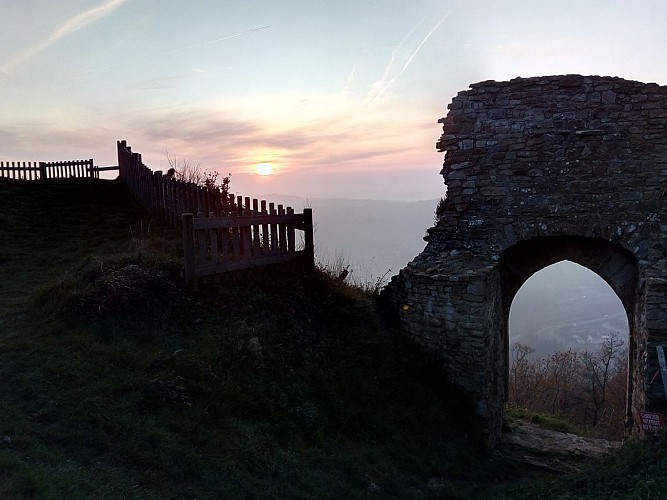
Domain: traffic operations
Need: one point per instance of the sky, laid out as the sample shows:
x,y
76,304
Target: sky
x,y
341,97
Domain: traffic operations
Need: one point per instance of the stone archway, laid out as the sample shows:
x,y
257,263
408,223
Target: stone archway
x,y
540,170
614,264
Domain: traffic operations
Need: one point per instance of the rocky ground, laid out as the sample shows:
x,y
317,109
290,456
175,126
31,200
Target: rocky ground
x,y
549,450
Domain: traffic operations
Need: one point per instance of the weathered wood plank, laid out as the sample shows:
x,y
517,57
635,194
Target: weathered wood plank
x,y
256,237
274,230
282,231
207,223
266,248
291,238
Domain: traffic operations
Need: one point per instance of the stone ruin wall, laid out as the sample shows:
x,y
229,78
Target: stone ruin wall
x,y
542,160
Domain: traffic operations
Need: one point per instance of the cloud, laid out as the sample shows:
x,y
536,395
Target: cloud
x,y
72,25
198,128
173,51
326,136
378,87
46,141
387,80
228,140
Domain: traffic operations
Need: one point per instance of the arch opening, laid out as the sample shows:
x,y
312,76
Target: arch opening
x,y
568,338
613,264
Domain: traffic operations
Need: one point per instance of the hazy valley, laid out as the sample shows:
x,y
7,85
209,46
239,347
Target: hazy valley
x,y
374,237
563,307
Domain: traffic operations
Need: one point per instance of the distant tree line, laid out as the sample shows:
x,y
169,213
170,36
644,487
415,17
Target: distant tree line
x,y
587,388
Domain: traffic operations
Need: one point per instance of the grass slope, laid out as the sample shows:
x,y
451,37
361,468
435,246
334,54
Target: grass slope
x,y
118,383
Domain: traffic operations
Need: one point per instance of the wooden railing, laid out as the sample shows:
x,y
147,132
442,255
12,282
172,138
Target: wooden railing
x,y
237,233
165,197
26,170
67,169
32,170
215,245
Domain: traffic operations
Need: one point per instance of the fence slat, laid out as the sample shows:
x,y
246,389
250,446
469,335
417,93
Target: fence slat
x,y
225,245
308,243
274,230
236,242
202,237
282,229
215,236
265,231
291,238
256,238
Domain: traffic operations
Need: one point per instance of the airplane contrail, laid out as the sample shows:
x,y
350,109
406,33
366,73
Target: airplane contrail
x,y
70,26
412,56
172,51
382,82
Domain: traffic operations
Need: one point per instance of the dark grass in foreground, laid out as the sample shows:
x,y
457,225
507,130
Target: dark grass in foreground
x,y
118,383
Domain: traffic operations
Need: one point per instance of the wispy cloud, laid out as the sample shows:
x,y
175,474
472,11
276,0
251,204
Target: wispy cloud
x,y
232,141
390,74
377,87
72,25
179,49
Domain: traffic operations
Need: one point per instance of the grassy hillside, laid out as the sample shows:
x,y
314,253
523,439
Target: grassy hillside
x,y
119,383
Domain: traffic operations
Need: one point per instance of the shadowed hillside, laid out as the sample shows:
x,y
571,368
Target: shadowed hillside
x,y
119,383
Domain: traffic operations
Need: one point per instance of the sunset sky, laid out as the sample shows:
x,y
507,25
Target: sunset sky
x,y
341,97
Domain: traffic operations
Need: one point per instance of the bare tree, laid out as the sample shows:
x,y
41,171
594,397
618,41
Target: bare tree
x,y
522,375
587,388
598,368
185,170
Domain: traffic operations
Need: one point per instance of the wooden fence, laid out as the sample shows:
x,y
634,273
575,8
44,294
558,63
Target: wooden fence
x,y
219,244
32,170
230,232
24,170
169,198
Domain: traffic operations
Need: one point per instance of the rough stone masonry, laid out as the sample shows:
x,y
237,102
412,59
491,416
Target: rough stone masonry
x,y
540,170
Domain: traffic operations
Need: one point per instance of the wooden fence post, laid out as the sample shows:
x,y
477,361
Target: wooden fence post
x,y
189,247
120,146
309,244
159,193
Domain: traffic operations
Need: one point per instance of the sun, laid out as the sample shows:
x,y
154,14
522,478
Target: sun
x,y
264,168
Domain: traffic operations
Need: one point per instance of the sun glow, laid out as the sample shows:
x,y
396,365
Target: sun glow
x,y
264,168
